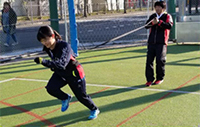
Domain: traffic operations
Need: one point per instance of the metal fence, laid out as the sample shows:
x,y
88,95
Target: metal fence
x,y
100,25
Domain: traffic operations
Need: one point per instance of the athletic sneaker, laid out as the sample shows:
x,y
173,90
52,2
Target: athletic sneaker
x,y
158,82
149,83
5,44
93,114
15,43
65,103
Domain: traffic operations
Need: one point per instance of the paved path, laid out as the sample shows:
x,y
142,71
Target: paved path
x,y
93,29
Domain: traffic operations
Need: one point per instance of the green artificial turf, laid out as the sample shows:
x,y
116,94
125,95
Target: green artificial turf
x,y
110,69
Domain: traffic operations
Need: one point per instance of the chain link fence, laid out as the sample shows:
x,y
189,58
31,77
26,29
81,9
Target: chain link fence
x,y
104,21
193,7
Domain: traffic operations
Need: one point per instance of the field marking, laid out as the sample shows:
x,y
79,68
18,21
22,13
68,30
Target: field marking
x,y
28,74
123,87
110,86
22,93
59,108
153,103
7,80
29,113
147,89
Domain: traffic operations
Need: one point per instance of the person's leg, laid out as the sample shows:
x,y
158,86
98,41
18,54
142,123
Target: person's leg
x,y
149,72
7,38
161,51
79,89
54,87
14,38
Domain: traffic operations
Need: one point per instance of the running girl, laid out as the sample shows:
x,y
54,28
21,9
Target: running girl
x,y
67,70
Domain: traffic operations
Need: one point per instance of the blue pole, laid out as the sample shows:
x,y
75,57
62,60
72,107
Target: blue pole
x,y
73,26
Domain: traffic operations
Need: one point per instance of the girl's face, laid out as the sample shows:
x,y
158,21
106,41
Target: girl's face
x,y
49,42
6,6
159,9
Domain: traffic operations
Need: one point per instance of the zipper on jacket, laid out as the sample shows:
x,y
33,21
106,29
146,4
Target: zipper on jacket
x,y
155,35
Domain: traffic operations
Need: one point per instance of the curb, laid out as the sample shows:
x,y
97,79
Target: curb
x,y
11,58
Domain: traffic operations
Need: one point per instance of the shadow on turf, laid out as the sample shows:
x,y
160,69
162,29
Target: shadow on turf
x,y
24,70
144,99
16,63
179,62
112,52
174,49
18,66
171,49
12,111
108,60
71,118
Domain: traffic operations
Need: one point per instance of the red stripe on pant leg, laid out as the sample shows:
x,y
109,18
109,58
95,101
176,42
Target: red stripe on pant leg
x,y
80,71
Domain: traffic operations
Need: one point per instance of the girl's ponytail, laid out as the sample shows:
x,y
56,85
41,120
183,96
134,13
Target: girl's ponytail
x,y
57,35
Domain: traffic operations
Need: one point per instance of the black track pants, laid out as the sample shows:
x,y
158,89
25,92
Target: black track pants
x,y
78,86
159,51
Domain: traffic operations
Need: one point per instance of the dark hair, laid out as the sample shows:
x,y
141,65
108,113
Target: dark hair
x,y
47,31
161,4
6,3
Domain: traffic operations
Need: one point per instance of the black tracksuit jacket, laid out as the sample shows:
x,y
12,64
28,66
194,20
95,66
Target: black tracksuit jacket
x,y
159,33
63,62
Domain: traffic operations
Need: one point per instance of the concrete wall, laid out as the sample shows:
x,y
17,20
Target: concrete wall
x,y
188,31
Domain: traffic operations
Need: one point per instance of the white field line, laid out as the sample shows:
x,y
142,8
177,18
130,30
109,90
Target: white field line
x,y
35,80
122,87
7,80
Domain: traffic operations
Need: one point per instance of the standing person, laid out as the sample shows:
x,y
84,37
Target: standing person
x,y
67,70
157,43
8,21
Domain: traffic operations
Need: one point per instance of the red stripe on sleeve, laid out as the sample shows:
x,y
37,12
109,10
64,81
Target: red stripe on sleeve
x,y
168,18
72,58
166,36
160,22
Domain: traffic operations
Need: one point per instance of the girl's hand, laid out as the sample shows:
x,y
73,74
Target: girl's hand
x,y
38,60
155,20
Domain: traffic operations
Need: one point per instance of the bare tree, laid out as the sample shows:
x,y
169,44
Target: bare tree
x,y
111,5
79,7
105,6
25,3
85,8
39,9
140,4
197,4
61,9
125,1
117,5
